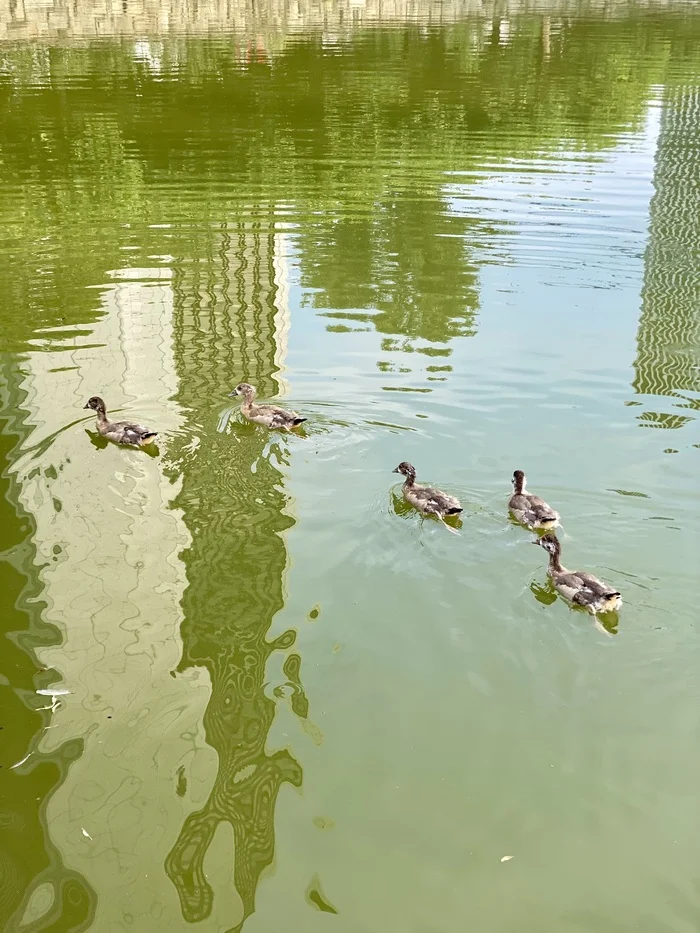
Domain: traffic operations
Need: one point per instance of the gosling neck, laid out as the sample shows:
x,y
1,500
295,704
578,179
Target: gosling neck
x,y
101,414
519,485
247,402
554,561
410,479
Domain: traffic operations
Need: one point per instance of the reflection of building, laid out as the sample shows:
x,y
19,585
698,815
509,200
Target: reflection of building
x,y
122,579
34,880
23,19
108,542
231,324
232,311
668,339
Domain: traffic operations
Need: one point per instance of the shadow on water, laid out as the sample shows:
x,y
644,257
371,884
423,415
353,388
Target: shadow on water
x,y
544,593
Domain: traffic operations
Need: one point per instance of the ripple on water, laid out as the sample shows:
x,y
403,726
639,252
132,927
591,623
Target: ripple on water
x,y
468,244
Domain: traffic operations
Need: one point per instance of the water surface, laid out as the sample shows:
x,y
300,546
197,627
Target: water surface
x,y
242,685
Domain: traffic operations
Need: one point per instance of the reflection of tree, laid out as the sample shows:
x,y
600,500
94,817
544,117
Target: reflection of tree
x,y
357,144
232,503
441,102
414,273
26,855
668,339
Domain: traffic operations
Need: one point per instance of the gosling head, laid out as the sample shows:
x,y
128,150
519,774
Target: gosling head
x,y
96,403
518,482
550,543
243,388
407,469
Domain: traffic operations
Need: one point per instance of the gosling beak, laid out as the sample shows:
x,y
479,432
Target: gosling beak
x,y
232,394
535,542
396,470
86,406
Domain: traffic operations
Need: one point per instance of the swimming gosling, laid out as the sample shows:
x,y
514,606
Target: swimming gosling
x,y
121,432
269,416
528,509
582,589
427,500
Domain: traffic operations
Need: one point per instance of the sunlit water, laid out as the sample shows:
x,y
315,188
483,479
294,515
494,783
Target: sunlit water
x,y
243,685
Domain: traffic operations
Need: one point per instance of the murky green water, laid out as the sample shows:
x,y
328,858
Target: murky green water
x,y
240,684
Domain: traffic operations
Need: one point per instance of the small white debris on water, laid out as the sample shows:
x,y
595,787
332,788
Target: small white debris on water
x,y
86,833
506,858
26,757
53,692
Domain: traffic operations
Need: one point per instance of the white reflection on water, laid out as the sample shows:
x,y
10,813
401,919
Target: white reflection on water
x,y
109,544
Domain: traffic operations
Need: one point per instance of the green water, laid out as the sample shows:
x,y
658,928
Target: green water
x,y
273,697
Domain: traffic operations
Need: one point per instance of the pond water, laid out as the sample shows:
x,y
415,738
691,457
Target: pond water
x,y
241,684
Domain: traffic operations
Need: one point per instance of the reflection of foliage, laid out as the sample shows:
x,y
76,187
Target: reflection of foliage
x,y
438,103
356,143
416,274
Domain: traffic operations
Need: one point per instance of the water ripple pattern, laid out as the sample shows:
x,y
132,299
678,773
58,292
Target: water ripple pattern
x,y
245,685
